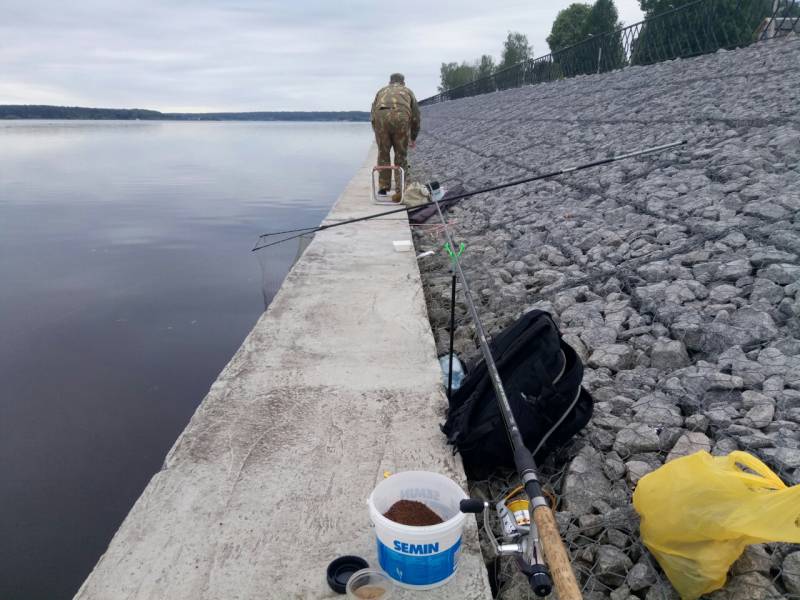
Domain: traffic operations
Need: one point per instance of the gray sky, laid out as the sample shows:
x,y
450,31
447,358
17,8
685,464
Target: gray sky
x,y
238,55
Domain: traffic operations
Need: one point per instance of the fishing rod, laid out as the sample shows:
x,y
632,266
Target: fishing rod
x,y
306,230
555,555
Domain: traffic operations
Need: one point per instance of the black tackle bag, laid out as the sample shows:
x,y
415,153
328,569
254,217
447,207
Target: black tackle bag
x,y
542,377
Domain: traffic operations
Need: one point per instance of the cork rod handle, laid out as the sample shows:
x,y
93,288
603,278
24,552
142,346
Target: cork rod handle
x,y
555,555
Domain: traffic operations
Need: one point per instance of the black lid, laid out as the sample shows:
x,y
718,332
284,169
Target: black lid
x,y
341,569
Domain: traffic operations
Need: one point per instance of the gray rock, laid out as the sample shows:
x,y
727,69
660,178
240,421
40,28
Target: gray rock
x,y
766,291
706,272
697,422
733,270
752,398
781,273
746,327
636,470
749,586
773,385
636,438
753,559
611,565
721,414
689,443
662,591
591,525
765,210
577,344
790,573
585,482
617,538
724,446
768,256
668,437
640,577
622,593
669,354
784,458
724,293
761,414
758,323
597,337
614,357
658,410
613,467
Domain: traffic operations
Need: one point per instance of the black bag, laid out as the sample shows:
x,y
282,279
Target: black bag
x,y
542,376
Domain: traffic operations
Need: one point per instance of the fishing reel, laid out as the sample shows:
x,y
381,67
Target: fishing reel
x,y
520,538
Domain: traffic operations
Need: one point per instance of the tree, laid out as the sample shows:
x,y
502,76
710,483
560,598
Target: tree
x,y
484,67
453,75
697,29
567,29
602,51
515,50
602,18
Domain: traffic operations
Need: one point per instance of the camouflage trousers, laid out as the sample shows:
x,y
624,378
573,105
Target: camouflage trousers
x,y
392,131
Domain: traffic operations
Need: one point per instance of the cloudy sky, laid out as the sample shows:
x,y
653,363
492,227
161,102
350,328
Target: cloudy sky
x,y
239,55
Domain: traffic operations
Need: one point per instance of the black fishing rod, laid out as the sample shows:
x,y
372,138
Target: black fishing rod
x,y
555,554
306,230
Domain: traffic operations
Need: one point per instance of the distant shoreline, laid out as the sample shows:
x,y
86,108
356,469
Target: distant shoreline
x,y
30,111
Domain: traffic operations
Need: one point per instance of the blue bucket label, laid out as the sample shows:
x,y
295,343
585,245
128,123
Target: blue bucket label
x,y
418,564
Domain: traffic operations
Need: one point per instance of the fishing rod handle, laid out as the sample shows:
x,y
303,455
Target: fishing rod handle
x,y
555,555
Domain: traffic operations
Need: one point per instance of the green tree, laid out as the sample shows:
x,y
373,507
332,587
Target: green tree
x,y
602,18
484,69
698,29
515,50
602,51
567,29
453,75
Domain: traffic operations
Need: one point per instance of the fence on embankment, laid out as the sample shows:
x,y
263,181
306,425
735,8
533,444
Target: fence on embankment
x,y
699,27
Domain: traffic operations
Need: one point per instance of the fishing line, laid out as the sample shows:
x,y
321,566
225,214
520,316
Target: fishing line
x,y
306,230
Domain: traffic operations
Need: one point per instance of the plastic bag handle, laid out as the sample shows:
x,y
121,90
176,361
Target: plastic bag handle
x,y
765,476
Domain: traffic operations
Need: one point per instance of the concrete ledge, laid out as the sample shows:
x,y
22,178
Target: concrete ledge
x,y
337,382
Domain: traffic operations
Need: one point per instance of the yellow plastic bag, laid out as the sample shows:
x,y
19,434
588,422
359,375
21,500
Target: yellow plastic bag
x,y
699,512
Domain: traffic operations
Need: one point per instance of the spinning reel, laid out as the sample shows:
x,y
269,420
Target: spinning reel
x,y
520,538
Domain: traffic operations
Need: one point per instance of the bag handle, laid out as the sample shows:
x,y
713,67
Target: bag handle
x,y
764,478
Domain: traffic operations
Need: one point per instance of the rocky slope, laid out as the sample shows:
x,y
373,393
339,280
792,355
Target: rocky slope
x,y
675,276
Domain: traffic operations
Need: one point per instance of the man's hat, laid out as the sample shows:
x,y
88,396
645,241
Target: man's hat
x,y
397,78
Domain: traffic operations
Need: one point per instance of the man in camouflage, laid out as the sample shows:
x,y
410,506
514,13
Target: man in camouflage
x,y
396,121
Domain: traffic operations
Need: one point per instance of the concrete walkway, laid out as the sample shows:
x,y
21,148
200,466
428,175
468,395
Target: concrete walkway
x,y
337,382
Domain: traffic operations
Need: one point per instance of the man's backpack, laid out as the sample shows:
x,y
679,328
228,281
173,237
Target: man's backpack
x,y
542,378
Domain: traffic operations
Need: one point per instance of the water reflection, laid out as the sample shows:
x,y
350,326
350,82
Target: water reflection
x,y
127,284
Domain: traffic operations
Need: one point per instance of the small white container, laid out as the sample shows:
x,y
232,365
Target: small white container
x,y
369,584
418,557
402,245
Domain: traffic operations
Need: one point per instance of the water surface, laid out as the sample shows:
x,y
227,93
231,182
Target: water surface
x,y
126,284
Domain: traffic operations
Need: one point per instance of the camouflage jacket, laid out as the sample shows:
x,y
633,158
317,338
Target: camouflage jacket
x,y
398,97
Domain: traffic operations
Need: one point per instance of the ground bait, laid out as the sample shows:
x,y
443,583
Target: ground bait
x,y
411,512
369,592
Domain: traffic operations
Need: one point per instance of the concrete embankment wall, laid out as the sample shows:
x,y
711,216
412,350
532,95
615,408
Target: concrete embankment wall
x,y
337,383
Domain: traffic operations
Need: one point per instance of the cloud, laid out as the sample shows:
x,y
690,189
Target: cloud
x,y
248,54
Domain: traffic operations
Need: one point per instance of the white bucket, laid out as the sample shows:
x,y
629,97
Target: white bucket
x,y
418,557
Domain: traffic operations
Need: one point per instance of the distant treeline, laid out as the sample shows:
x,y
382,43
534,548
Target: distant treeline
x,y
30,111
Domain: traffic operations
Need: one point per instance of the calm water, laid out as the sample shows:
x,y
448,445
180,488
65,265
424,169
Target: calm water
x,y
126,284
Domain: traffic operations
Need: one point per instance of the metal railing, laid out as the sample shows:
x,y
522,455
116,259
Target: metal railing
x,y
699,27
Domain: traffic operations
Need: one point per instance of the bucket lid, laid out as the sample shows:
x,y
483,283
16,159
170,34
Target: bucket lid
x,y
341,569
